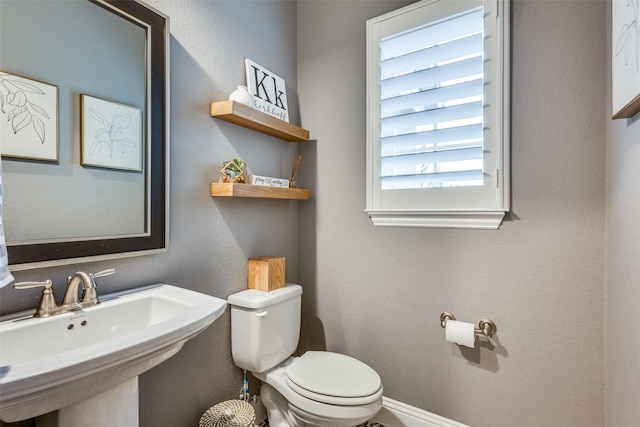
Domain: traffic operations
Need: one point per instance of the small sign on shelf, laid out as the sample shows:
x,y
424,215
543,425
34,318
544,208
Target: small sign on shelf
x,y
268,89
268,181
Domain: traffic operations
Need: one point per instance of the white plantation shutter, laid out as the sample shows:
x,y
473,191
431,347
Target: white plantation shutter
x,y
434,121
431,104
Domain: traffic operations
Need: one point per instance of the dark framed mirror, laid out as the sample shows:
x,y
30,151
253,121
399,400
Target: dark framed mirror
x,y
26,181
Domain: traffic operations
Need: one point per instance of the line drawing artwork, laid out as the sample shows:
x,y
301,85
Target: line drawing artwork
x,y
30,117
15,93
111,134
113,131
628,40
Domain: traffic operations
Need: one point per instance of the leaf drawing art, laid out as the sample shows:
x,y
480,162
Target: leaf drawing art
x,y
110,134
628,39
16,102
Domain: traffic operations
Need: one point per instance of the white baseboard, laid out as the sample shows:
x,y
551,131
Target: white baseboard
x,y
392,414
398,414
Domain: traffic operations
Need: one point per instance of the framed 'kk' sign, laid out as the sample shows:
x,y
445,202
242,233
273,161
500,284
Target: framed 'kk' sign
x,y
268,89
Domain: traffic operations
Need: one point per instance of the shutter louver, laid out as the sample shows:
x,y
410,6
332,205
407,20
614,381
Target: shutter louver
x,y
431,104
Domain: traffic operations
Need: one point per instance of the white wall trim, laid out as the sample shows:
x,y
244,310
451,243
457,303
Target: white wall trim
x,y
476,219
398,414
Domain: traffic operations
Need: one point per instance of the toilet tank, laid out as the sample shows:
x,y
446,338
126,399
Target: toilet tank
x,y
265,326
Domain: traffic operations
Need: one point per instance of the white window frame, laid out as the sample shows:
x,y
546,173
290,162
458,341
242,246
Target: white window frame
x,y
456,212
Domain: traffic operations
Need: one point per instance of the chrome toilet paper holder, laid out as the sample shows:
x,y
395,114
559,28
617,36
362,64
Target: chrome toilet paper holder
x,y
486,327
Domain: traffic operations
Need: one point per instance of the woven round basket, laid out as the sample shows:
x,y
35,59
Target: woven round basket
x,y
230,413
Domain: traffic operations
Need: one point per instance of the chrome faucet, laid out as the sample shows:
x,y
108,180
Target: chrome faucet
x,y
70,302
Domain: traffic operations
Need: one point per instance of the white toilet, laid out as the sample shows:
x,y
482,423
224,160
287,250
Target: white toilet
x,y
319,388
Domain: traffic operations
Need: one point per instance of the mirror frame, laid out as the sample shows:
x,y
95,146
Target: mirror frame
x,y
36,255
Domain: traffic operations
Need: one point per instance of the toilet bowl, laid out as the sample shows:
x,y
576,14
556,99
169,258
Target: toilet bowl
x,y
318,388
322,388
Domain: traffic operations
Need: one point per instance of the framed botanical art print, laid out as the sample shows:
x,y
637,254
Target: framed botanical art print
x,y
28,118
111,135
625,52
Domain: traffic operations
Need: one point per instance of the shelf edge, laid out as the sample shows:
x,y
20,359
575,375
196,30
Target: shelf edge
x,y
248,117
225,189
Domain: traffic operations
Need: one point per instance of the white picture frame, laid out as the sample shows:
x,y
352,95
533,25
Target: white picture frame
x,y
28,118
625,58
111,134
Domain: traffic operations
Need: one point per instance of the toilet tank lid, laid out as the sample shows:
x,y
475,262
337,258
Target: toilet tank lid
x,y
252,298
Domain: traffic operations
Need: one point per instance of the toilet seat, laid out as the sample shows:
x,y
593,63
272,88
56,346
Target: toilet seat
x,y
309,409
333,378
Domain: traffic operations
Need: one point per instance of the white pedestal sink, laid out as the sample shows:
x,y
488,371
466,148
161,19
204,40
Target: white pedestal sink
x,y
98,410
65,360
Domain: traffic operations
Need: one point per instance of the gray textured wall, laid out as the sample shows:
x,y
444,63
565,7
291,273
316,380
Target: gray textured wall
x,y
377,293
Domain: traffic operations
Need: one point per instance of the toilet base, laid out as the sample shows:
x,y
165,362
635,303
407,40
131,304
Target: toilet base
x,y
283,414
277,408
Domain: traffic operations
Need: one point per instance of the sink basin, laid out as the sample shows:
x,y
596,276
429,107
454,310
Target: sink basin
x,y
50,363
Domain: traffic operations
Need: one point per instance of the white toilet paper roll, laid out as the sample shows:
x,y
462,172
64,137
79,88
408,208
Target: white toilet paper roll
x,y
461,333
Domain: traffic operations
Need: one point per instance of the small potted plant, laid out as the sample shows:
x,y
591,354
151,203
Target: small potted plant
x,y
233,171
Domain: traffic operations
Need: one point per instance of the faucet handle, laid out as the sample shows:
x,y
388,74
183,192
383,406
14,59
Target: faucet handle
x,y
47,284
107,272
89,293
47,305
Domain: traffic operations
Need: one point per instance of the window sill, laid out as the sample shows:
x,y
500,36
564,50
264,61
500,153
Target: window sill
x,y
476,219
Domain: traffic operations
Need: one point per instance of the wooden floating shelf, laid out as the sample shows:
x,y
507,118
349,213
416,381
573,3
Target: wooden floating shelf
x,y
248,117
226,189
